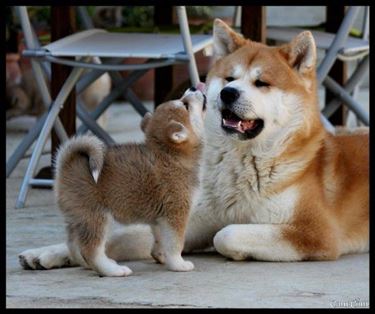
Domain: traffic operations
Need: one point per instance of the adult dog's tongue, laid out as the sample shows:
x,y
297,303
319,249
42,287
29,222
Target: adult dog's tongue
x,y
239,125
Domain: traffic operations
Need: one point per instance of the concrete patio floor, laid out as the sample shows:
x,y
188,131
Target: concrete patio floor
x,y
216,281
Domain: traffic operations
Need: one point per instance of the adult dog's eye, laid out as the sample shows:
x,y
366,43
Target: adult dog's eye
x,y
229,78
259,83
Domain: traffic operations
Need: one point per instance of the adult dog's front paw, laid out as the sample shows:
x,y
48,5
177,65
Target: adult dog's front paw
x,y
227,242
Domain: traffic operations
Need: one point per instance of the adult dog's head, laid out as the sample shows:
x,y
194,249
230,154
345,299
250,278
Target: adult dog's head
x,y
261,94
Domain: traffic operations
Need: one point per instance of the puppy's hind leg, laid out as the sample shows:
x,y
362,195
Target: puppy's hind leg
x,y
90,235
124,243
172,241
47,257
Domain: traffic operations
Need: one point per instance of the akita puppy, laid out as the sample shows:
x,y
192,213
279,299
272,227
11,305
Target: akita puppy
x,y
275,185
133,183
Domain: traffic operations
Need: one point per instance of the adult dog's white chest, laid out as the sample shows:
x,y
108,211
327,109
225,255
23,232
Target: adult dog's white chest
x,y
238,188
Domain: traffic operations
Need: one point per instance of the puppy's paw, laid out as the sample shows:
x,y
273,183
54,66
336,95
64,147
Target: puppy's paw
x,y
53,256
181,266
115,271
158,256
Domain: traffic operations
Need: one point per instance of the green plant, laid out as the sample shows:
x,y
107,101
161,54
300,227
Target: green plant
x,y
40,16
199,11
140,16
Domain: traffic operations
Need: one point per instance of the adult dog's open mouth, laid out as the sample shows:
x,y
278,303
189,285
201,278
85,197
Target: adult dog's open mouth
x,y
247,128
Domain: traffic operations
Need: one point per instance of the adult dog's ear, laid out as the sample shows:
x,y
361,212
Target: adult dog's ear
x,y
176,132
225,39
146,119
301,52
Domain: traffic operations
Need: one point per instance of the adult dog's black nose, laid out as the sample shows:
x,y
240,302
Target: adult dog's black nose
x,y
229,95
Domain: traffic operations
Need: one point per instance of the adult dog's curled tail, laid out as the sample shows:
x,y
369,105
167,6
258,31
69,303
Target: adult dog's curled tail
x,y
87,145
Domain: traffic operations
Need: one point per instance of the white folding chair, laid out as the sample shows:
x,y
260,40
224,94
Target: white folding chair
x,y
160,50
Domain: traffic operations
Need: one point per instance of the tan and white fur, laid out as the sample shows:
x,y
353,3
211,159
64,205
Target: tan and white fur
x,y
290,192
149,182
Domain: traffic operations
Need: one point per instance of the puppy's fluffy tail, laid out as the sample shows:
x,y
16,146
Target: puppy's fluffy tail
x,y
79,146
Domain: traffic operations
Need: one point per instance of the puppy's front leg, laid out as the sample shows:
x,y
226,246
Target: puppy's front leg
x,y
157,251
258,241
172,241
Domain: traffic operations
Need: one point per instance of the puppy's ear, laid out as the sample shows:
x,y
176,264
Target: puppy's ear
x,y
146,119
225,39
176,132
301,52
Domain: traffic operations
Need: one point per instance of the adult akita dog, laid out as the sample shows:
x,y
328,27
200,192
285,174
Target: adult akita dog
x,y
275,185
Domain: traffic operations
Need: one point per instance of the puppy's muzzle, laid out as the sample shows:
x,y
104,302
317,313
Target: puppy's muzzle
x,y
196,95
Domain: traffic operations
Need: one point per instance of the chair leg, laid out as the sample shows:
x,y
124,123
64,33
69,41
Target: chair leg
x,y
185,33
342,94
35,130
128,93
86,118
354,95
25,144
33,133
121,85
354,80
46,97
331,55
51,118
86,20
327,125
237,16
137,104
